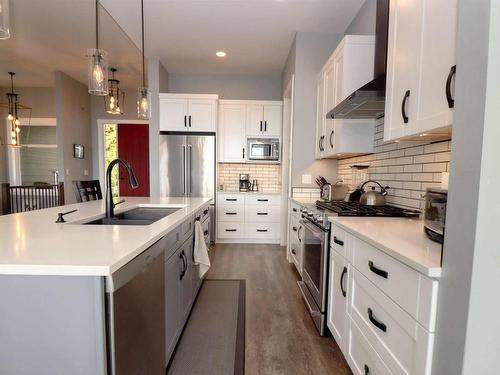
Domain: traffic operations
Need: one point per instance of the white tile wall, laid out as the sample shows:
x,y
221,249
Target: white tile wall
x,y
268,176
408,168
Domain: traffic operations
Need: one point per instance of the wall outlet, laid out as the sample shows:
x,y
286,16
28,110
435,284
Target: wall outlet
x,y
306,179
86,172
67,172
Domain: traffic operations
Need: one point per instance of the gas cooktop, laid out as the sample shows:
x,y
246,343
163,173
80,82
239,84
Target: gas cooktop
x,y
342,208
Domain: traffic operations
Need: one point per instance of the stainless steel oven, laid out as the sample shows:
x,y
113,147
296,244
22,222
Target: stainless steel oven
x,y
314,276
263,149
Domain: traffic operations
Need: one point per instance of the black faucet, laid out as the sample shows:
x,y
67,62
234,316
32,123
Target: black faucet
x,y
110,205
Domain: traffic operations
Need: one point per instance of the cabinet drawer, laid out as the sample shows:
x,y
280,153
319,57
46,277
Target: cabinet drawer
x,y
172,241
262,214
395,279
230,199
187,228
295,210
339,239
361,356
398,339
230,230
262,230
263,200
231,213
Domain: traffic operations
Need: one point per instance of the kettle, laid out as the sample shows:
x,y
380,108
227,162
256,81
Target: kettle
x,y
373,197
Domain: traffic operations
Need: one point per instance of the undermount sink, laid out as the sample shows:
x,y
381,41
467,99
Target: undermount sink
x,y
136,216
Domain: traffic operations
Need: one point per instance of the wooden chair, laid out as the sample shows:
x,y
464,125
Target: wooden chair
x,y
33,197
86,191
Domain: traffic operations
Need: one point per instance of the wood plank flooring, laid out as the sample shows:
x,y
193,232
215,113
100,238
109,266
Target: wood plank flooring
x,y
280,335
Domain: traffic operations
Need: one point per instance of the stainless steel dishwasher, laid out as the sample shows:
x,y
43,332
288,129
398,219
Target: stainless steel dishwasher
x,y
135,315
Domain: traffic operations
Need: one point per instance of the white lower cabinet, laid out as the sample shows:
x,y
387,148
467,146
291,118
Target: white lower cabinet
x,y
295,237
380,312
248,218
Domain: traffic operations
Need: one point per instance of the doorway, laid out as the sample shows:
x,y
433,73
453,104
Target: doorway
x,y
129,142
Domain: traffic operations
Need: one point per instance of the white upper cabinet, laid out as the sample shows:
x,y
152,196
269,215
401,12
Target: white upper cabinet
x,y
231,135
349,67
420,68
264,119
188,112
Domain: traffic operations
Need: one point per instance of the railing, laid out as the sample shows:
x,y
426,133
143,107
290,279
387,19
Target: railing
x,y
28,198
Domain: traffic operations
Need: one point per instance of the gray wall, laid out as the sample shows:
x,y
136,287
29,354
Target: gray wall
x,y
364,22
468,326
311,50
231,86
157,82
73,126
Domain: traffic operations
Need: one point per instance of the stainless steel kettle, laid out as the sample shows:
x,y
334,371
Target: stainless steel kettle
x,y
373,197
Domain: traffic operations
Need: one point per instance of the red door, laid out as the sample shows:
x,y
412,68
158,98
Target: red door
x,y
133,146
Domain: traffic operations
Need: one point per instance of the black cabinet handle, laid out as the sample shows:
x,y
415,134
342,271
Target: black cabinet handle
x,y
205,232
262,213
205,212
265,126
367,370
375,322
197,218
344,272
403,106
184,265
261,230
261,126
449,97
294,209
231,199
294,229
298,234
294,252
185,123
189,120
231,213
331,141
337,241
262,200
319,143
378,271
243,152
230,230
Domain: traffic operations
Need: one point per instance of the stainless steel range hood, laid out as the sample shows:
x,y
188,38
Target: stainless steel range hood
x,y
368,101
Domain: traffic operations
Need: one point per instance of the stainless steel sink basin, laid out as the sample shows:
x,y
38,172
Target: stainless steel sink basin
x,y
136,216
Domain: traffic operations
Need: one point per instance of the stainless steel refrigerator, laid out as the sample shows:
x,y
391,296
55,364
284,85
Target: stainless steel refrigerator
x,y
187,168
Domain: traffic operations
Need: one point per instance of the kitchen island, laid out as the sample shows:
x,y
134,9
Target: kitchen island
x,y
96,299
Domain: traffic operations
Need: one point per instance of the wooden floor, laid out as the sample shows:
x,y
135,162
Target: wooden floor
x,y
280,335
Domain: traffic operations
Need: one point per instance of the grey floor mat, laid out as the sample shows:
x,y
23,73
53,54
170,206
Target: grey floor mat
x,y
213,341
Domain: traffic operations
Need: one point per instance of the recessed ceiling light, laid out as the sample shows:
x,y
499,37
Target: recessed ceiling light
x,y
221,54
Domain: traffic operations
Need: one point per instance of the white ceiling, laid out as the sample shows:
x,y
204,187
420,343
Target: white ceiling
x,y
51,35
256,34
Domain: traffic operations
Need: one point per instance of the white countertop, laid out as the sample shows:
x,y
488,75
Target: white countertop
x,y
403,239
33,244
303,200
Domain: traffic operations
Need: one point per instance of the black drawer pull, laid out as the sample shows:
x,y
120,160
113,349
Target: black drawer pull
x,y
344,272
403,106
261,230
375,322
294,252
294,209
197,218
449,97
337,241
231,213
265,126
231,199
261,126
205,212
205,232
294,229
367,370
262,200
230,230
262,213
378,271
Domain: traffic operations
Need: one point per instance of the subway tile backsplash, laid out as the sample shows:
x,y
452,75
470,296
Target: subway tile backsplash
x,y
408,168
268,176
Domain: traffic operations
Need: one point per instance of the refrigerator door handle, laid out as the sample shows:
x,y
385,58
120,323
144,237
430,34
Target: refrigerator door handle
x,y
190,149
184,174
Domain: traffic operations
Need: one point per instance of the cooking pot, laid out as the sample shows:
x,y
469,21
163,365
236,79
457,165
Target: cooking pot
x,y
373,197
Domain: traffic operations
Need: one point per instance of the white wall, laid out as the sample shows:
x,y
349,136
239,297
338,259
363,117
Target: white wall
x,y
365,20
230,86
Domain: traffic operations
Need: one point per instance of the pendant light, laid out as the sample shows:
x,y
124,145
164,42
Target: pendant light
x,y
113,102
4,19
143,97
97,63
13,108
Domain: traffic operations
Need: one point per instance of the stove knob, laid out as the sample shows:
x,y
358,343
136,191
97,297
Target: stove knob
x,y
303,210
319,218
310,214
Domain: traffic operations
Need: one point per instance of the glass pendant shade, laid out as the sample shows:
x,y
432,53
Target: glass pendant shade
x,y
4,19
143,103
97,72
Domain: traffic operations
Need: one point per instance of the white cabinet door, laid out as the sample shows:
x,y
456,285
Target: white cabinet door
x,y
337,317
202,114
173,268
174,114
331,82
255,120
320,110
272,120
231,136
403,55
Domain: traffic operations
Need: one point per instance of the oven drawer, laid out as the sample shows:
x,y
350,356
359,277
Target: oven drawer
x,y
399,340
263,199
230,230
268,231
258,214
230,213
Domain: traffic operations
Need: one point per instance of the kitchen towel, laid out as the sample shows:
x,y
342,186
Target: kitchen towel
x,y
200,256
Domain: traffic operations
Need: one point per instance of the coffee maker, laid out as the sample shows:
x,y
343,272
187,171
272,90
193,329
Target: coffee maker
x,y
245,183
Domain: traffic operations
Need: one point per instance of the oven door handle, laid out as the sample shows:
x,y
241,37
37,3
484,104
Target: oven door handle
x,y
313,228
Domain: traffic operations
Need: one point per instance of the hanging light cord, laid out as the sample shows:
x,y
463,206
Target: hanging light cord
x,y
142,27
96,24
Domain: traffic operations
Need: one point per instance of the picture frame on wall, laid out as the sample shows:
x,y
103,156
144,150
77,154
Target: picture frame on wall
x,y
78,151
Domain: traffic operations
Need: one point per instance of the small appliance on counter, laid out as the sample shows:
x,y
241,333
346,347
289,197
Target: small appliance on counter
x,y
333,192
245,183
255,186
435,213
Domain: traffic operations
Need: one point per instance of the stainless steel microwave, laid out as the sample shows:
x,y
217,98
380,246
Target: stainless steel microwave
x,y
263,149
